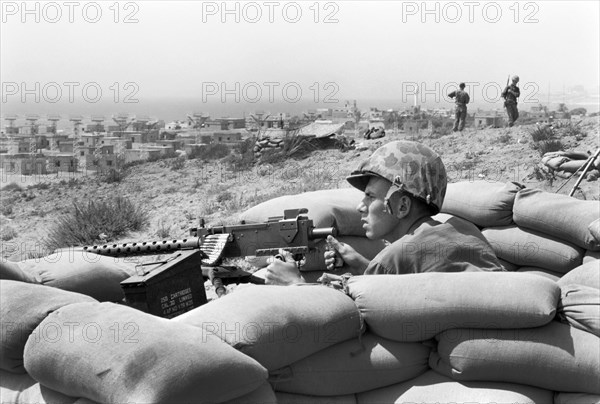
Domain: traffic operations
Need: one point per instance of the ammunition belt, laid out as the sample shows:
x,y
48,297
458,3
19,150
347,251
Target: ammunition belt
x,y
213,247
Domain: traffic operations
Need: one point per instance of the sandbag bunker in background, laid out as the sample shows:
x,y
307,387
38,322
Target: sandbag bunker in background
x,y
462,337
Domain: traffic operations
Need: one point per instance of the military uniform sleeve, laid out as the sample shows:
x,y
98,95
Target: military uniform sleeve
x,y
377,268
452,94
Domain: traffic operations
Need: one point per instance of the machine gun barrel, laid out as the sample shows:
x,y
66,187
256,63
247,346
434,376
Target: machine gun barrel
x,y
145,247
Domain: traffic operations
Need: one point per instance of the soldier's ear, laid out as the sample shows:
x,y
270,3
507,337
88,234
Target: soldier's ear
x,y
403,205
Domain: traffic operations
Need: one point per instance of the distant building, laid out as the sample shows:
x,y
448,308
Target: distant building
x,y
100,157
176,125
375,114
228,137
95,127
341,114
226,123
488,119
24,164
132,155
61,162
91,139
17,146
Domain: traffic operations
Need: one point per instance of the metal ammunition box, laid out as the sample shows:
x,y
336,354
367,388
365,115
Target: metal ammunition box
x,y
170,288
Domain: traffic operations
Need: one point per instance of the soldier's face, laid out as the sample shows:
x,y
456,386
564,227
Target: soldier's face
x,y
376,221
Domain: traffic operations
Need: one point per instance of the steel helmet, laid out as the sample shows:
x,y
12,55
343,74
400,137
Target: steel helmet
x,y
515,78
410,166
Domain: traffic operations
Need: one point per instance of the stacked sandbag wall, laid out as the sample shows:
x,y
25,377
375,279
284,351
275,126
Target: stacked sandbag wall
x,y
434,337
544,234
565,163
267,145
530,230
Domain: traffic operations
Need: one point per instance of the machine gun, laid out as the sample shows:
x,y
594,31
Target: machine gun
x,y
176,285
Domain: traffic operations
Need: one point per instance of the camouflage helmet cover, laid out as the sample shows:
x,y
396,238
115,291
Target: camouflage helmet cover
x,y
409,166
515,79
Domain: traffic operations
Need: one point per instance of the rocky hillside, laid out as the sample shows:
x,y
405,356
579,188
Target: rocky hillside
x,y
176,193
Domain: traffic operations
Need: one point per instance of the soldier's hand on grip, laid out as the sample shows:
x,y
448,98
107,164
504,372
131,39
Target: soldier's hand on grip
x,y
350,259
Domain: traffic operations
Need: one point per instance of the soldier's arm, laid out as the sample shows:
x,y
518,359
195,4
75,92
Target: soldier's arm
x,y
452,94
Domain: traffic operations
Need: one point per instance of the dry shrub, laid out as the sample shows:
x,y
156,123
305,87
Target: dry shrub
x,y
7,233
113,218
542,133
549,146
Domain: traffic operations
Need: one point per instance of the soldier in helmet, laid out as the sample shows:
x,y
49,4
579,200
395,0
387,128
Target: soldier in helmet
x,y
404,184
511,94
461,99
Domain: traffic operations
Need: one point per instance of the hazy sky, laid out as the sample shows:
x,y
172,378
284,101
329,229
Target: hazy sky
x,y
366,50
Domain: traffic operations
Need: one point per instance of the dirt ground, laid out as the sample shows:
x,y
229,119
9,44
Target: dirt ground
x,y
177,198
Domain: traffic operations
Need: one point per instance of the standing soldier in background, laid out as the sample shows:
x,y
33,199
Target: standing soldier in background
x,y
510,94
462,99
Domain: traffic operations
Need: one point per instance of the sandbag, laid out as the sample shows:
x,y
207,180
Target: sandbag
x,y
559,216
579,306
555,357
326,208
591,256
288,398
353,366
263,395
526,247
22,389
77,271
508,266
576,398
554,276
279,325
12,271
572,166
587,274
23,306
416,307
555,163
483,203
594,228
431,387
115,354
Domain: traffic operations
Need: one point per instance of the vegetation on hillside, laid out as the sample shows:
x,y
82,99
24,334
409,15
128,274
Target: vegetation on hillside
x,y
93,222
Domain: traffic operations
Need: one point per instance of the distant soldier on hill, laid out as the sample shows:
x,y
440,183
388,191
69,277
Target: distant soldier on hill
x,y
510,94
461,99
